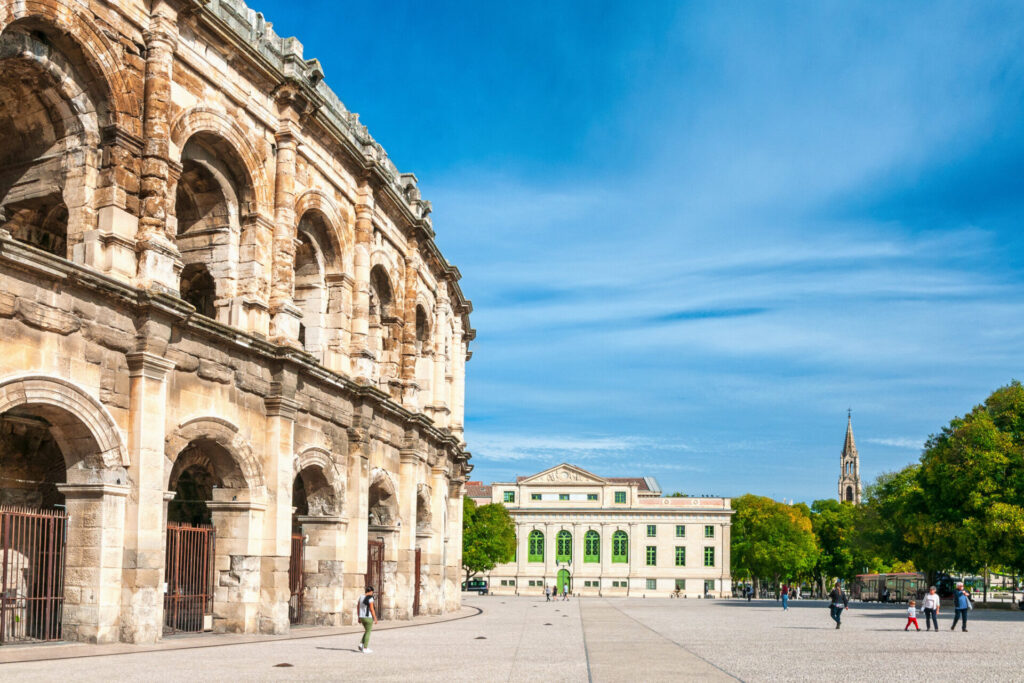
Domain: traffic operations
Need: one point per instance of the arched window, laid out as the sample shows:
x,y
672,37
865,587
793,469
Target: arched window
x,y
620,547
536,550
849,494
564,550
197,288
592,547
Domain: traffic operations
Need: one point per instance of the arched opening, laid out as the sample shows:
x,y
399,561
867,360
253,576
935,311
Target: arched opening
x,y
592,547
564,585
198,289
208,200
535,546
620,547
385,327
48,543
383,524
206,535
563,550
314,254
849,494
423,515
422,330
52,107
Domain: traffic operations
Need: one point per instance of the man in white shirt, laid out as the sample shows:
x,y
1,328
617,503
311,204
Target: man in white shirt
x,y
931,610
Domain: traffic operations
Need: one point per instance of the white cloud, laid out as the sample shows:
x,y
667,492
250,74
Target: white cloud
x,y
899,442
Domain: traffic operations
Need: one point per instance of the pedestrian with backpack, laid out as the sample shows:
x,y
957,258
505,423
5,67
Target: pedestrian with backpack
x,y
367,612
838,602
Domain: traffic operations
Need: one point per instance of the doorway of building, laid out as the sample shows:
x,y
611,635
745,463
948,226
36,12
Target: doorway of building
x,y
375,571
564,581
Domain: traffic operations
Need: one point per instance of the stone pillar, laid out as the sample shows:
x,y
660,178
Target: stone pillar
x,y
255,251
237,561
435,559
458,381
453,549
357,503
362,357
337,322
279,476
284,315
159,264
406,536
439,402
323,569
410,388
93,556
142,590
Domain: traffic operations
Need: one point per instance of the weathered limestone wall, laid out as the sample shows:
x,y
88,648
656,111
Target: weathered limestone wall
x,y
211,264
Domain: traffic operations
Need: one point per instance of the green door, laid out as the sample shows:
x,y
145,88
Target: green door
x,y
564,581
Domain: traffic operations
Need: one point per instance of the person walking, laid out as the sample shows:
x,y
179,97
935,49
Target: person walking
x,y
838,602
961,605
912,616
367,617
785,597
565,592
750,593
931,610
547,593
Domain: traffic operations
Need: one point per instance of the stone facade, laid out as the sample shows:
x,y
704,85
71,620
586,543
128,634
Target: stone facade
x,y
220,302
612,537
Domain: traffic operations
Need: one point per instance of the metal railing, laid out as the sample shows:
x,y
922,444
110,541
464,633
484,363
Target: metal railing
x,y
32,544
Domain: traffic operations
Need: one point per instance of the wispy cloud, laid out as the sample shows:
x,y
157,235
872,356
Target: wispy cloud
x,y
899,442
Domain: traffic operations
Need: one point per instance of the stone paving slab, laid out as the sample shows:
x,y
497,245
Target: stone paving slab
x,y
595,639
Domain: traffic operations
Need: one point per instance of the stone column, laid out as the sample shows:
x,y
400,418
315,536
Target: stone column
x,y
357,504
93,561
323,569
435,559
142,590
406,537
458,381
279,477
237,561
453,548
362,357
410,388
284,315
439,402
338,321
159,261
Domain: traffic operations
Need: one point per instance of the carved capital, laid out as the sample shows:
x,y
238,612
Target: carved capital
x,y
148,365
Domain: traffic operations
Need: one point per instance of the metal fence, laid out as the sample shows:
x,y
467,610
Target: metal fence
x,y
188,601
32,543
296,580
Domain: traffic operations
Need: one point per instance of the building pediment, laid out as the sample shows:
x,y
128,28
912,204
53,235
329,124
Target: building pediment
x,y
564,474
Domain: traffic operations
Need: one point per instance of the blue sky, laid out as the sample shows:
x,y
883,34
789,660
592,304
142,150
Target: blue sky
x,y
695,233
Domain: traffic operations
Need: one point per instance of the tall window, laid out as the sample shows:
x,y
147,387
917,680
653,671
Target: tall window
x,y
620,547
680,584
591,496
652,584
680,531
592,547
620,496
652,531
709,531
536,550
510,496
563,553
563,496
534,496
709,556
680,556
652,555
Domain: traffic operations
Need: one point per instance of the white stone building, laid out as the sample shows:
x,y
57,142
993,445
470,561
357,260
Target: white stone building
x,y
612,537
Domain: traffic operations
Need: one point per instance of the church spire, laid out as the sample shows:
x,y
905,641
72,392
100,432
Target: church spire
x,y
849,464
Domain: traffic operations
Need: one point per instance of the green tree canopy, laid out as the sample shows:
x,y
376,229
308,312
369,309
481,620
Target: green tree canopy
x,y
844,550
771,540
488,536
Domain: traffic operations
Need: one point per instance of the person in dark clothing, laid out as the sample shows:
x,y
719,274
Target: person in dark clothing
x,y
961,605
838,602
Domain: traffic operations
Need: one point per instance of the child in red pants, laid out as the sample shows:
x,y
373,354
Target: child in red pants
x,y
912,616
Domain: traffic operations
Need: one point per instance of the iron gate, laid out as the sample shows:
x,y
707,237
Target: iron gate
x,y
296,580
418,584
188,571
32,597
375,570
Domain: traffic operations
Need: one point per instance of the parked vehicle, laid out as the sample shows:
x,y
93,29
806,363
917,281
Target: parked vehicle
x,y
897,587
475,586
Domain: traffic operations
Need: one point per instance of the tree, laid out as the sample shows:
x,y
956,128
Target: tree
x,y
678,494
488,537
973,472
771,540
844,550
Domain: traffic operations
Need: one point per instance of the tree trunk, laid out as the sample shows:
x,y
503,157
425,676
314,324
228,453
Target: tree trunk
x,y
984,586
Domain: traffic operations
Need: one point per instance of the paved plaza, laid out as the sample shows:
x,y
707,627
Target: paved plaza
x,y
528,639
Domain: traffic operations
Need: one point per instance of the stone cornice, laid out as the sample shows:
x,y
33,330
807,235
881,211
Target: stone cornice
x,y
93,490
148,365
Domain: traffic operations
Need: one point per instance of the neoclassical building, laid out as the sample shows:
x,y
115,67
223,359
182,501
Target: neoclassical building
x,y
612,537
231,355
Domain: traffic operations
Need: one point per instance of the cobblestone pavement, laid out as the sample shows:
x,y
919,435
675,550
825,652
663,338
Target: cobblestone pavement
x,y
528,639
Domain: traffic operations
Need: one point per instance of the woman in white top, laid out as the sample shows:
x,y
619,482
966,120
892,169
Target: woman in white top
x,y
931,610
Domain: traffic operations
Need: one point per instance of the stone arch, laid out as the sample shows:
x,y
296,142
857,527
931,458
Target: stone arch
x,y
324,482
383,499
78,421
65,18
337,227
237,468
206,120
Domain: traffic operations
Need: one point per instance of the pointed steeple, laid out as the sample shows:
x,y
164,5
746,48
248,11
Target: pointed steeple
x,y
849,447
849,466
